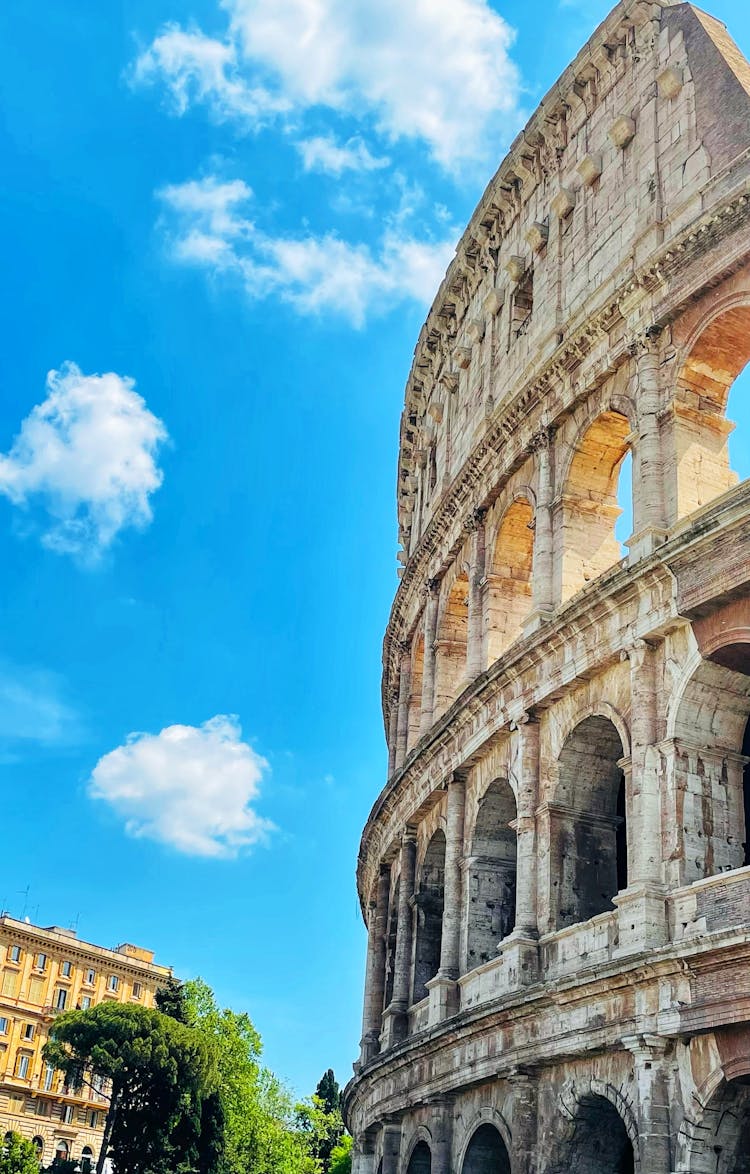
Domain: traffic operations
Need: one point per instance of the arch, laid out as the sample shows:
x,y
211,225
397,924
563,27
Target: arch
x,y
420,1134
589,501
600,1135
491,874
715,353
603,709
508,580
415,692
451,643
588,830
486,1152
38,1143
709,723
715,1138
429,900
420,1159
390,944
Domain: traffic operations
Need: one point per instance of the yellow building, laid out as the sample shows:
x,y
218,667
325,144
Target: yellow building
x,y
44,972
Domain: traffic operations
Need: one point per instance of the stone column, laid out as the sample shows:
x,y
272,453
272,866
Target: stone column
x,y
476,659
375,971
542,585
428,671
443,988
520,950
395,1024
391,1146
524,1110
363,1158
404,694
642,909
649,514
392,731
441,1130
653,1099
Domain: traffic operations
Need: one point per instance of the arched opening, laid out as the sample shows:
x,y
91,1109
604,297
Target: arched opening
x,y
722,1143
61,1151
702,431
429,904
508,582
486,1153
710,780
420,1161
38,1144
600,1142
590,503
492,874
450,645
415,693
390,946
588,830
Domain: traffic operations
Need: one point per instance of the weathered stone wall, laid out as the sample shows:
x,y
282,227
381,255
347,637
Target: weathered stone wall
x,y
556,876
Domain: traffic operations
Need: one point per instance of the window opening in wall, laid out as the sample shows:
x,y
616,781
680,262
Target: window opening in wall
x,y
492,874
38,1144
390,946
61,1150
588,828
600,1141
415,693
486,1153
432,468
523,304
429,914
624,523
509,578
14,953
451,645
67,1115
590,503
420,1161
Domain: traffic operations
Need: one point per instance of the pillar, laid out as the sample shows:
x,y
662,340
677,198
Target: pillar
x,y
375,970
395,1024
443,988
404,693
642,908
652,1082
524,1109
476,659
391,1146
428,671
441,1131
649,514
520,950
392,731
542,585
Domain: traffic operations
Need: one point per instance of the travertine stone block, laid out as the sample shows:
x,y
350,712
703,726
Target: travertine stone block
x,y
589,169
622,131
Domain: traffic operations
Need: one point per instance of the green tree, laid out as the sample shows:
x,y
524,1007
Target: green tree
x,y
328,1092
341,1156
171,999
158,1071
321,1120
18,1156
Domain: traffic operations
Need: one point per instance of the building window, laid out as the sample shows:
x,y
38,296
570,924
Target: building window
x,y
94,1119
22,1066
90,978
85,1002
66,969
14,953
38,1144
67,1114
136,990
40,962
3,1025
114,983
49,1076
28,1031
42,1108
61,999
61,1150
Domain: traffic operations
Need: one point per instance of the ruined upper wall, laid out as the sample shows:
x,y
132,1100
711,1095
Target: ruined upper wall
x,y
626,149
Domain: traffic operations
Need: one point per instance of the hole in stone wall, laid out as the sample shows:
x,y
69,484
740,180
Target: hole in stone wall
x,y
420,1161
486,1153
429,900
624,524
451,645
390,947
600,1144
723,1144
492,874
508,581
415,693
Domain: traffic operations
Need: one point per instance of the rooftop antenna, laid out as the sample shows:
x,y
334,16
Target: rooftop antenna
x,y
76,919
25,894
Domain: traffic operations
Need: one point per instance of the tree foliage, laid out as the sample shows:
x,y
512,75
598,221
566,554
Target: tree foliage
x,y
18,1156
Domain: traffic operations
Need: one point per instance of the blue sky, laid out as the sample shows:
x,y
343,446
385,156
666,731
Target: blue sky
x,y
220,229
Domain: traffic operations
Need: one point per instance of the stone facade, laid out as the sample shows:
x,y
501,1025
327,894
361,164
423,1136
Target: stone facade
x,y
555,878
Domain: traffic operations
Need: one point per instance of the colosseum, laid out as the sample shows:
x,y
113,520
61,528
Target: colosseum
x,y
556,876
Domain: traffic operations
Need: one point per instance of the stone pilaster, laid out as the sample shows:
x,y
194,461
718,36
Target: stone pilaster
x,y
391,1146
395,1021
443,987
375,970
404,693
652,1078
649,514
641,907
542,585
476,660
520,950
392,731
428,672
441,1130
524,1110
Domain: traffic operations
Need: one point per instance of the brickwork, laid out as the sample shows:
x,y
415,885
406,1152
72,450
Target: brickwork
x,y
556,874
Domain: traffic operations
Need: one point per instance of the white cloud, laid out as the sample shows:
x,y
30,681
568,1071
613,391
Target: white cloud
x,y
87,455
435,70
323,153
313,273
191,787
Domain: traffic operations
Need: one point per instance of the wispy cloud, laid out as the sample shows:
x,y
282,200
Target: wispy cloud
x,y
212,230
323,153
35,710
437,71
87,456
191,787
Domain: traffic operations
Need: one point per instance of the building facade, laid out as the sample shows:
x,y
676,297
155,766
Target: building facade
x,y
44,972
555,878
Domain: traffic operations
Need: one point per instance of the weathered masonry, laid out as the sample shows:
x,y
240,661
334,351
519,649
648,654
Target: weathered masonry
x,y
556,875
